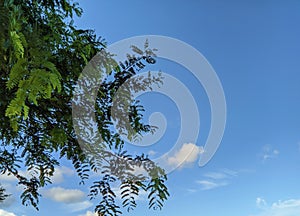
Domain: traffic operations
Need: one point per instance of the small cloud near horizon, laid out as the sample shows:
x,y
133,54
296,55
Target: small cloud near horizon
x,y
289,207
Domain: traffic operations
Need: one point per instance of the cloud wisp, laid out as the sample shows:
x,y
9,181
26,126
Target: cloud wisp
x,y
209,184
216,179
261,202
289,207
268,152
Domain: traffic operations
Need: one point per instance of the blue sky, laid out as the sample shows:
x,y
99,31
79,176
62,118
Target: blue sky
x,y
254,48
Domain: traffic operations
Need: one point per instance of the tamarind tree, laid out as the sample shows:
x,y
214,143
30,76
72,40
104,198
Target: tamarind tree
x,y
42,54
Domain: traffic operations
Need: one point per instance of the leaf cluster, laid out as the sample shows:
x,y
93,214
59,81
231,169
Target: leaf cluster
x,y
42,54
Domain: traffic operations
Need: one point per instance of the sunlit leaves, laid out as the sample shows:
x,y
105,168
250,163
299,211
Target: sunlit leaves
x,y
17,44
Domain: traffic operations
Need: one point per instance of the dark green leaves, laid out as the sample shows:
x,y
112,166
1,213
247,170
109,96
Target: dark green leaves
x,y
3,194
130,177
42,55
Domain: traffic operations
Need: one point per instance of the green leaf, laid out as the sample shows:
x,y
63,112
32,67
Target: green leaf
x,y
17,44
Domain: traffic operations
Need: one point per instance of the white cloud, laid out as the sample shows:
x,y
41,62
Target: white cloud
x,y
216,179
208,185
152,153
139,170
223,174
188,154
215,175
231,173
63,195
260,202
7,178
268,152
58,176
9,201
289,207
5,213
191,190
75,207
60,173
89,213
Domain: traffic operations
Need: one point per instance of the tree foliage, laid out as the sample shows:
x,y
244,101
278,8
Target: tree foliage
x,y
3,194
42,54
